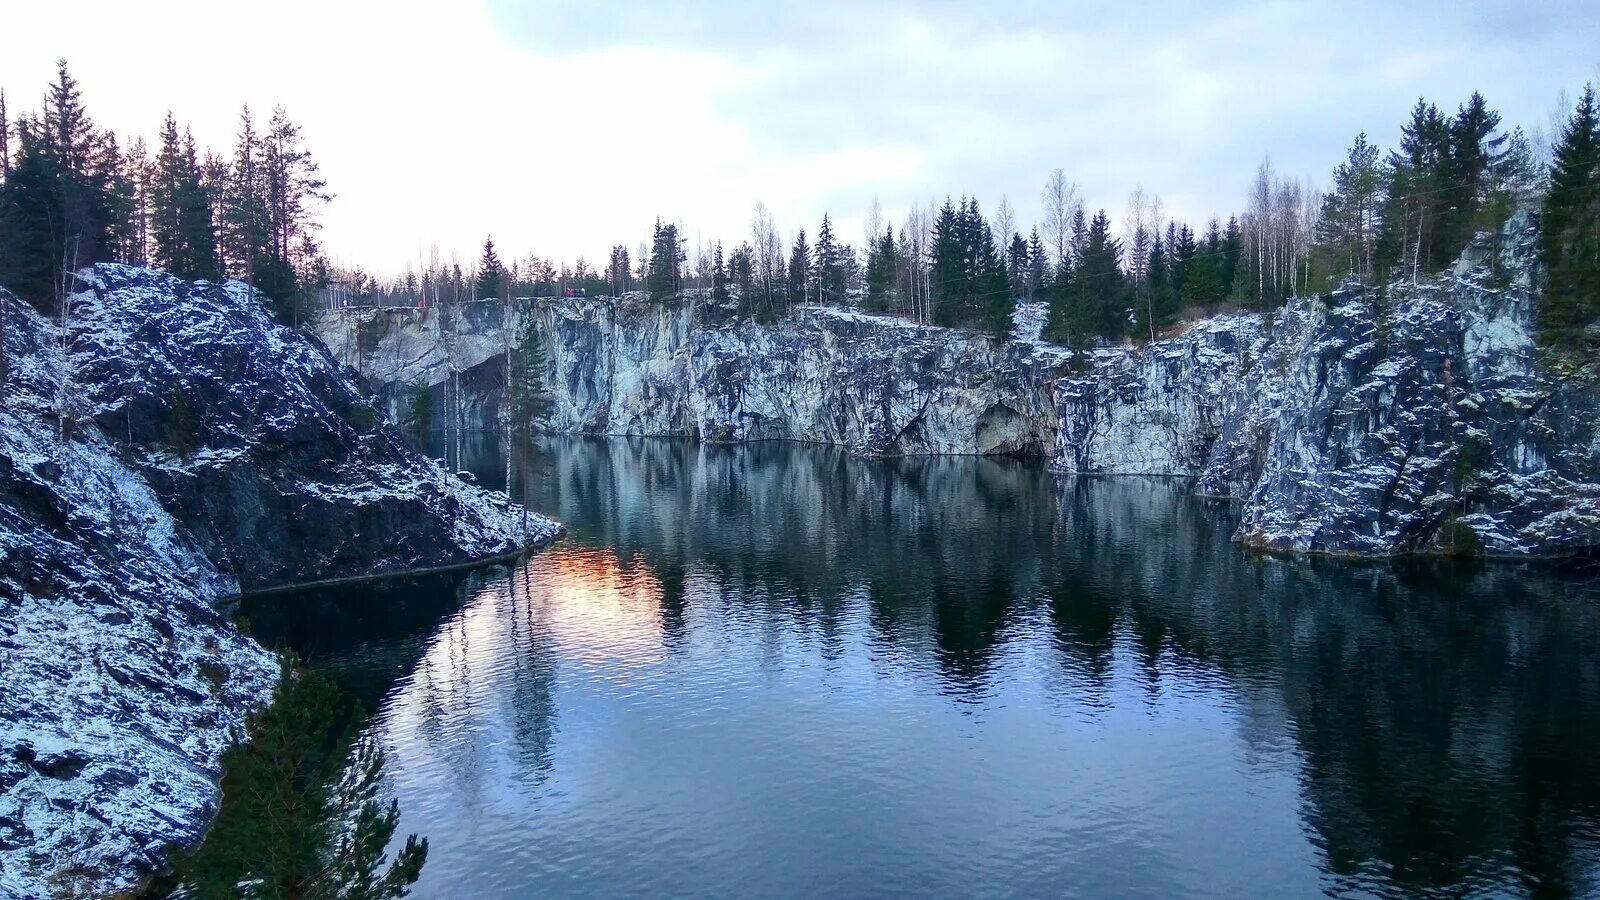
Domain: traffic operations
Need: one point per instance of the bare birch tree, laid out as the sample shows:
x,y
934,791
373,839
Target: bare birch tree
x,y
1060,200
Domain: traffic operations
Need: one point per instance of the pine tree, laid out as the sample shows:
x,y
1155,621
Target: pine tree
x,y
1571,228
619,272
293,185
491,281
1349,221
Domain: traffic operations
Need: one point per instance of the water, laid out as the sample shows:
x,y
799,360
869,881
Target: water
x,y
776,671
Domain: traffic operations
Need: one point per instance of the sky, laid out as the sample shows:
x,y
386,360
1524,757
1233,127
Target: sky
x,y
563,127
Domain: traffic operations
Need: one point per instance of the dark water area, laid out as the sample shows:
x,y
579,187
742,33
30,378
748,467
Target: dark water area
x,y
773,670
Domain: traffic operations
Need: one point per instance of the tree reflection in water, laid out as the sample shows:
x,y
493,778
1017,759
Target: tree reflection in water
x,y
1436,722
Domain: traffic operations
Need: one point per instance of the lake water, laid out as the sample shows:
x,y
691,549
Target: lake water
x,y
776,671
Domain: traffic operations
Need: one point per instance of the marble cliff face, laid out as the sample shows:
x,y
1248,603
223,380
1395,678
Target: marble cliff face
x,y
167,445
1416,418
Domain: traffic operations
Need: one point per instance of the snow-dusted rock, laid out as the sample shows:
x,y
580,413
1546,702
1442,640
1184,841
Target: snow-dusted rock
x,y
122,684
1420,418
875,384
1423,420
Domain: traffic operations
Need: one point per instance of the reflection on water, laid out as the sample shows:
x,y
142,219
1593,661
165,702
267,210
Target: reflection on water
x,y
774,670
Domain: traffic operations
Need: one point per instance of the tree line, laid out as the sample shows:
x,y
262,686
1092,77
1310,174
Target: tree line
x,y
73,194
1404,214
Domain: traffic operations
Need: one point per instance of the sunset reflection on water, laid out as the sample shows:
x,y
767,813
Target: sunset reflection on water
x,y
478,706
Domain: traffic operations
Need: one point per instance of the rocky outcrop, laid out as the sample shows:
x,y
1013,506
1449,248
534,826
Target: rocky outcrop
x,y
1420,418
1417,418
173,445
876,385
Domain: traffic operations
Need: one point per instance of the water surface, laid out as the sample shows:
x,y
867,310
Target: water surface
x,y
774,671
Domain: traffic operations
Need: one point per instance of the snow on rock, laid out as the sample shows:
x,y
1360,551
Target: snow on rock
x,y
1364,423
122,684
1416,421
875,384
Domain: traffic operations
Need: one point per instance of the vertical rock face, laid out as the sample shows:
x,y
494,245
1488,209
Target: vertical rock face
x,y
1423,420
169,446
874,384
1416,418
1157,410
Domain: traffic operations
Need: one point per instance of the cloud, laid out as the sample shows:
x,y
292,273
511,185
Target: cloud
x,y
562,127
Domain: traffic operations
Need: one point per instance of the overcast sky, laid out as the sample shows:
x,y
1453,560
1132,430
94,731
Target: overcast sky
x,y
563,127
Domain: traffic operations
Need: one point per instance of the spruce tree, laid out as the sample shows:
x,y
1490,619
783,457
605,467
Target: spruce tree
x,y
1571,228
491,281
1415,185
719,277
1103,286
123,219
619,273
883,266
992,299
1017,267
667,256
71,140
5,139
29,232
181,228
246,233
1231,257
1038,267
829,275
531,400
741,275
800,270
1475,149
947,275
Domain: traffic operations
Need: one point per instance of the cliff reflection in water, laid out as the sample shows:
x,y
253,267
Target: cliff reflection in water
x,y
769,668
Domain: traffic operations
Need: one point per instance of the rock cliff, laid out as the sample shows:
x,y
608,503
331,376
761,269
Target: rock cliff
x,y
1413,418
170,445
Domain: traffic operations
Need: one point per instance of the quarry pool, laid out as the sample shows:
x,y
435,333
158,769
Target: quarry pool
x,y
774,670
